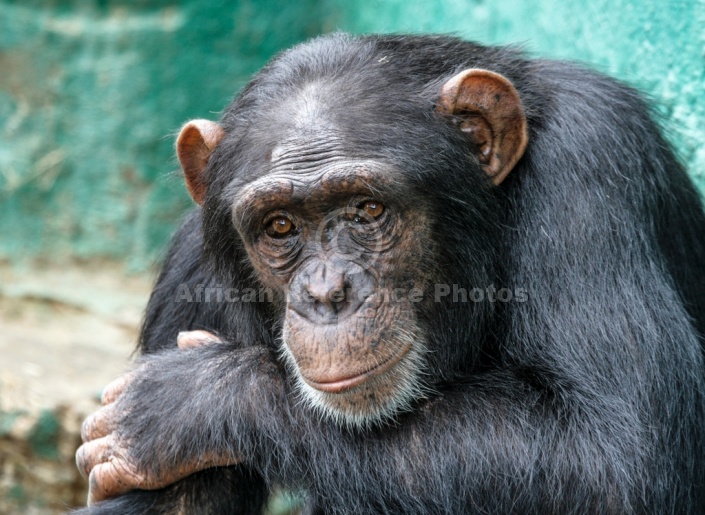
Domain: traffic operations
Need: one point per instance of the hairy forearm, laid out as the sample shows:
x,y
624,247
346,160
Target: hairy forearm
x,y
220,405
186,406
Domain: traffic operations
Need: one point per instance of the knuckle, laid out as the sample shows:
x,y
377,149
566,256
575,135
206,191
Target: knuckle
x,y
82,462
197,338
87,429
114,389
93,487
91,455
101,483
107,396
99,424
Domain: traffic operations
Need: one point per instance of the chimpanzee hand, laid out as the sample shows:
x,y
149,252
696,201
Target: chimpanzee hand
x,y
107,456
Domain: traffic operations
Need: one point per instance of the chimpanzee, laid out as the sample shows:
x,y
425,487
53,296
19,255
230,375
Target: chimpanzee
x,y
454,280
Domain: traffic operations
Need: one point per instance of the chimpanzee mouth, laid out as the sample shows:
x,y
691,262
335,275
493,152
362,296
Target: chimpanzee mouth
x,y
342,384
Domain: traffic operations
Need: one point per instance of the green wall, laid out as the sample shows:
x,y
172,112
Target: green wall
x,y
91,93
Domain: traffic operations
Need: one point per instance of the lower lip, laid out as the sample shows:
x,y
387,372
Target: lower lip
x,y
342,385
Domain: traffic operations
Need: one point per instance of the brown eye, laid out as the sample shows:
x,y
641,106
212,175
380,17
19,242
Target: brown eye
x,y
280,227
373,208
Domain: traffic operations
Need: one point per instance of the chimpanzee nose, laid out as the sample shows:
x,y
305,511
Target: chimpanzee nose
x,y
323,292
328,293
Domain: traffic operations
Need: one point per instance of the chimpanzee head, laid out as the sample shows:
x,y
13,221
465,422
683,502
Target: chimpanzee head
x,y
355,187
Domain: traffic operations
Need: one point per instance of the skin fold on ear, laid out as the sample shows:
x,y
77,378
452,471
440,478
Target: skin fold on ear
x,y
194,146
491,115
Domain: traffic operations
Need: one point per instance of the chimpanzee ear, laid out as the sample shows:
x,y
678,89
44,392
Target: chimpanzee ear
x,y
195,144
490,113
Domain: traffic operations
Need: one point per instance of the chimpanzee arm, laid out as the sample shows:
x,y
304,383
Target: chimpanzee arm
x,y
179,303
488,439
517,441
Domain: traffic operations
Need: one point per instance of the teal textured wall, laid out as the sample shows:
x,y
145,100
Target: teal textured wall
x,y
91,93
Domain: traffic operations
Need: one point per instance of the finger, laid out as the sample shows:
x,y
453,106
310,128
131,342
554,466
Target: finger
x,y
115,388
93,453
99,424
111,479
193,339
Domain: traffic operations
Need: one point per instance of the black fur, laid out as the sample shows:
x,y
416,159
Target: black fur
x,y
586,398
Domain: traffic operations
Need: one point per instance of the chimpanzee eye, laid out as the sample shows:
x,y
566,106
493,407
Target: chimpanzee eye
x,y
372,208
280,227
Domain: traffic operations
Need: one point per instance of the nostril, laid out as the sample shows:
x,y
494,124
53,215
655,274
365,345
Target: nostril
x,y
337,299
337,295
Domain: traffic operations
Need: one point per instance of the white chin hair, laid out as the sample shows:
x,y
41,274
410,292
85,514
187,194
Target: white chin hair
x,y
374,402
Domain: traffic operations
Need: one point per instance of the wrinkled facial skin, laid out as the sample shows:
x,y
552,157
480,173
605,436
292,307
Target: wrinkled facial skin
x,y
346,254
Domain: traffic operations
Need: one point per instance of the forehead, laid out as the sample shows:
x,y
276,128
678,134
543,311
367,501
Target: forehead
x,y
307,151
310,142
303,140
297,133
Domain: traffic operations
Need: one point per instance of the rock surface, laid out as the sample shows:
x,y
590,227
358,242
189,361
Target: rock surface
x,y
65,334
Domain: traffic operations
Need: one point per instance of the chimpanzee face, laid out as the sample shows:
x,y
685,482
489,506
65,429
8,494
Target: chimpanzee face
x,y
350,249
344,252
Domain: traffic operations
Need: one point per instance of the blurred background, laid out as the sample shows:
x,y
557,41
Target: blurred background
x,y
91,94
